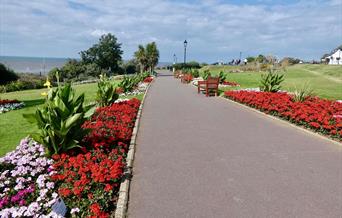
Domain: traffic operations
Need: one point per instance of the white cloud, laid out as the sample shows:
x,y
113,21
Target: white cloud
x,y
214,29
98,32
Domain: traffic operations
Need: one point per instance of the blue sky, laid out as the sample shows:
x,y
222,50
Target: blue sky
x,y
215,29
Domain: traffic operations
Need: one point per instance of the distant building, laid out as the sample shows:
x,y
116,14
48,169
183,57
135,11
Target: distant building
x,y
335,57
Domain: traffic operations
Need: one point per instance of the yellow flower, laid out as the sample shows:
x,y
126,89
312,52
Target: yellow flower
x,y
44,93
47,84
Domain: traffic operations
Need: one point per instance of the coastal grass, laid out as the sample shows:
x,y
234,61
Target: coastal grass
x,y
13,127
324,80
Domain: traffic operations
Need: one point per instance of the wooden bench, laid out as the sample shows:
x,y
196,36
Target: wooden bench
x,y
209,85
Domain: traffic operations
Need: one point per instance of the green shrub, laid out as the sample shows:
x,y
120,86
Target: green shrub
x,y
271,81
7,75
195,73
106,94
302,93
25,81
206,74
60,120
128,83
222,76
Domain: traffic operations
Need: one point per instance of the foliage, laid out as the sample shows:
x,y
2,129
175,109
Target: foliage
x,y
131,67
206,74
222,76
106,53
319,114
60,119
147,56
25,81
195,73
250,59
188,65
141,57
106,94
7,75
289,61
152,55
302,93
271,81
261,58
128,83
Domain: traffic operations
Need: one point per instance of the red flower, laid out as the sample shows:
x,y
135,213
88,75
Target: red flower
x,y
95,208
64,192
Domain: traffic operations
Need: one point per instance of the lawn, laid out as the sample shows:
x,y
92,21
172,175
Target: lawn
x,y
324,80
14,127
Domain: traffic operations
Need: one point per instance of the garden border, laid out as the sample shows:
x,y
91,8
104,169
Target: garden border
x,y
285,122
122,203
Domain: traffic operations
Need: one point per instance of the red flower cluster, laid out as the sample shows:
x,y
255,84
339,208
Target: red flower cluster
x,y
321,115
148,79
186,78
112,126
93,176
7,101
90,179
228,83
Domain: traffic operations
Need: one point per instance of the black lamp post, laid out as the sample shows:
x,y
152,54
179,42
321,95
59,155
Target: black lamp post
x,y
185,44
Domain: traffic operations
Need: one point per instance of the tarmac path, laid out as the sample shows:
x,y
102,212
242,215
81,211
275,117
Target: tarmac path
x,y
208,157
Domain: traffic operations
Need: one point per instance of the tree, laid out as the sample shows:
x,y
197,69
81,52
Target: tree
x,y
152,55
141,57
106,53
7,75
147,57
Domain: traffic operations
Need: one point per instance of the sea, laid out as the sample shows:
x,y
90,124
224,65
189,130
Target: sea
x,y
39,65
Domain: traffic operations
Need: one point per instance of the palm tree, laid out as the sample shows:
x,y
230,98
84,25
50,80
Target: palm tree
x,y
141,57
152,55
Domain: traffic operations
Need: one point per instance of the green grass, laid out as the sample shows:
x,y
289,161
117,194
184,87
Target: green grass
x,y
324,80
13,127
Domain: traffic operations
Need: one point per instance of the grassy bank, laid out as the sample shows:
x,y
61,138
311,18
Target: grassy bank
x,y
324,80
14,127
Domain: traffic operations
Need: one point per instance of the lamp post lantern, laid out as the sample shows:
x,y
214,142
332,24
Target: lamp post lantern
x,y
185,44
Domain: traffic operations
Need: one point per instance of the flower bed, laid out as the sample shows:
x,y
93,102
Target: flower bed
x,y
228,83
25,185
321,115
8,105
140,89
89,180
148,79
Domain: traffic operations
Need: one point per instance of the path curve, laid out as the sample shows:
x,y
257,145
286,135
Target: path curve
x,y
206,157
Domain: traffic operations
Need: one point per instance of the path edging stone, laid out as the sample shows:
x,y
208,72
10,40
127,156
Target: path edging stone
x,y
121,206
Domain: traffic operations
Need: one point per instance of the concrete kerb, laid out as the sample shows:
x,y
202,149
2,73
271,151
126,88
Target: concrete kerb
x,y
283,121
121,206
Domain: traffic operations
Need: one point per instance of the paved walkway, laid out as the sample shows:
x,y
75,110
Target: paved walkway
x,y
207,157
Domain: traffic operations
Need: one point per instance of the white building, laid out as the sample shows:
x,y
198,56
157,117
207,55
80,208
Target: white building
x,y
335,57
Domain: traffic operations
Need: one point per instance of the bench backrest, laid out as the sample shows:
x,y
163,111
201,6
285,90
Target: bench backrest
x,y
212,82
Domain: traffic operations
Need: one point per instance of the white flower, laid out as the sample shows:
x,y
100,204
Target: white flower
x,y
75,210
